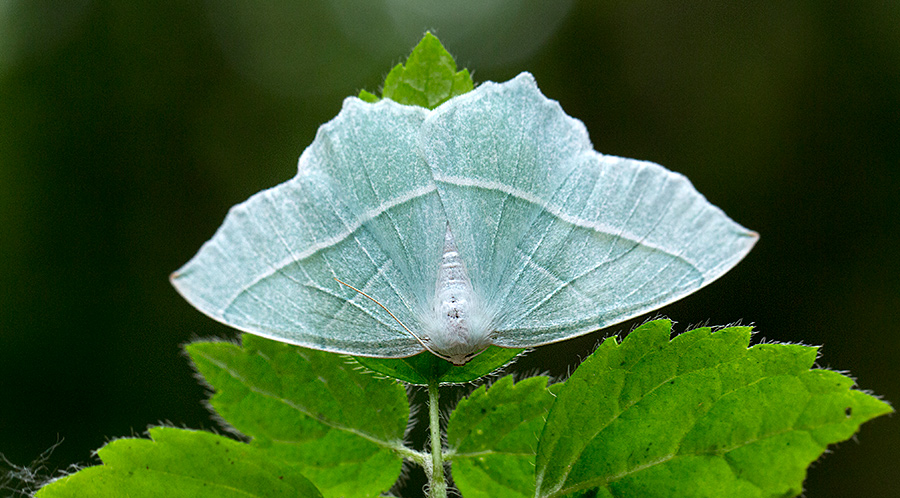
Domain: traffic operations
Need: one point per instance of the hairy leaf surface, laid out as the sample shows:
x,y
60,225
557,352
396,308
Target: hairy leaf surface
x,y
494,433
183,464
428,79
309,407
700,415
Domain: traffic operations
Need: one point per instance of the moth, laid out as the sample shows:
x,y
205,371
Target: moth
x,y
488,220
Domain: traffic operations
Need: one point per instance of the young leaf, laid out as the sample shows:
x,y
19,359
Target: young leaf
x,y
424,368
313,408
493,436
700,415
182,463
368,97
428,79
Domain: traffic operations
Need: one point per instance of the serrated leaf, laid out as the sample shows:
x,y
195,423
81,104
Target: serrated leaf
x,y
368,97
309,407
428,79
182,463
700,415
493,437
425,368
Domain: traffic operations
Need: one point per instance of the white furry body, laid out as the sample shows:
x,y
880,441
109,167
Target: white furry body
x,y
458,328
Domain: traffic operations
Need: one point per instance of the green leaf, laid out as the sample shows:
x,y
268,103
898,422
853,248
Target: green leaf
x,y
368,97
315,409
700,415
428,79
182,463
425,367
493,436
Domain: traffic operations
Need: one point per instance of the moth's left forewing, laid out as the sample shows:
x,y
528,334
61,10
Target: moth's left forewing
x,y
363,208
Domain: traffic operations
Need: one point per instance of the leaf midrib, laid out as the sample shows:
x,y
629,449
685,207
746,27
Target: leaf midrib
x,y
605,481
315,416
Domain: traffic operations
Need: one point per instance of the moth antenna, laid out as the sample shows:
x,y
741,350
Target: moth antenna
x,y
370,298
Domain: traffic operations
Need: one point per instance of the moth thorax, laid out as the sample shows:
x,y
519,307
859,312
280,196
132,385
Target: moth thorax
x,y
457,333
452,308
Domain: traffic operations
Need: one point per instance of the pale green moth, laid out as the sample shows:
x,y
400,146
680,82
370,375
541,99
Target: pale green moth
x,y
488,220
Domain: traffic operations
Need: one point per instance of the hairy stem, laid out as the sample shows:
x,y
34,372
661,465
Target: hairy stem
x,y
437,484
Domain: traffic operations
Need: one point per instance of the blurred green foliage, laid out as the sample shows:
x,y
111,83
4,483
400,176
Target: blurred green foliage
x,y
127,130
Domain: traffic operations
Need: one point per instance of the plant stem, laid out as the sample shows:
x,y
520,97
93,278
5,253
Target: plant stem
x,y
437,484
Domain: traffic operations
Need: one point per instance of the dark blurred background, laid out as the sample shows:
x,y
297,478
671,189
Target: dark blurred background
x,y
126,132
